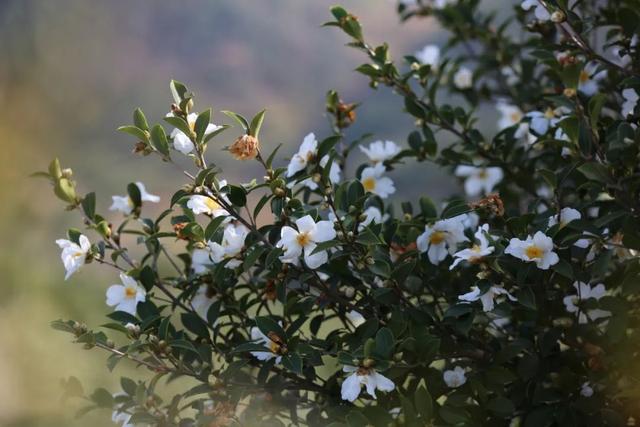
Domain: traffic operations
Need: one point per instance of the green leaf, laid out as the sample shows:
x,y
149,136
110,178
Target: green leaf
x,y
238,118
595,172
159,140
292,362
384,342
195,324
140,120
89,205
595,107
147,278
102,398
424,402
237,195
133,130
134,194
256,123
202,122
179,123
178,91
213,226
325,245
428,208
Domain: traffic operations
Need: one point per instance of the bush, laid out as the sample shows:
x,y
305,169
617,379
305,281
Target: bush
x,y
306,297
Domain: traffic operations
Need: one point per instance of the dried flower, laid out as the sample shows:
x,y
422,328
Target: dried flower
x,y
245,147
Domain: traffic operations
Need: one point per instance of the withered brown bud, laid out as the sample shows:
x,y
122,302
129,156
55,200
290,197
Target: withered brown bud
x,y
245,147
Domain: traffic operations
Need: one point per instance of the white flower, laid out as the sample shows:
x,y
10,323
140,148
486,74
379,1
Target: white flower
x,y
120,417
586,390
364,376
182,142
379,151
201,259
585,292
511,115
373,215
334,174
538,249
356,318
231,246
511,74
205,205
479,179
373,181
125,297
477,251
463,78
429,55
471,220
566,216
202,301
540,12
272,347
542,121
305,239
486,298
454,378
589,78
124,204
630,101
73,254
306,153
442,238
441,4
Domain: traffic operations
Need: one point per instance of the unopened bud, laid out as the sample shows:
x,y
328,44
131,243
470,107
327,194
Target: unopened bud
x,y
110,344
317,178
350,234
558,16
367,363
369,260
569,92
279,192
360,266
67,173
133,329
349,292
407,216
199,245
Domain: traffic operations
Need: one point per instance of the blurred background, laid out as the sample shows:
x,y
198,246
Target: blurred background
x,y
72,71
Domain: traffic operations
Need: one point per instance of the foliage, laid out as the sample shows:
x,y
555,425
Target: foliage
x,y
283,297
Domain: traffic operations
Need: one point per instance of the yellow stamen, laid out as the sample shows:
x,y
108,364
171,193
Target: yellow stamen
x,y
515,117
212,204
369,183
303,239
274,347
437,237
533,252
482,174
549,113
130,292
584,76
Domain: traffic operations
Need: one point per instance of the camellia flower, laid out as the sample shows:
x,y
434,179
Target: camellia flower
x,y
486,298
442,238
373,181
585,292
201,259
429,55
200,204
589,78
379,151
306,153
540,11
364,376
463,78
305,239
511,115
566,216
273,348
246,147
231,246
455,378
542,121
124,204
475,253
182,142
479,179
630,101
125,297
356,318
202,300
538,249
73,254
373,215
334,174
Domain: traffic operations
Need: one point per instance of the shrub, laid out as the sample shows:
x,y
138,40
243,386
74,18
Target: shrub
x,y
306,297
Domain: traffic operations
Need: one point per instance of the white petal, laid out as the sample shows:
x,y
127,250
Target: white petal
x,y
324,231
115,294
350,388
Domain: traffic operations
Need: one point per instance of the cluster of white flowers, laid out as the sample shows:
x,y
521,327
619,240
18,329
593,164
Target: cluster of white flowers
x,y
307,153
183,142
294,242
584,292
231,246
124,204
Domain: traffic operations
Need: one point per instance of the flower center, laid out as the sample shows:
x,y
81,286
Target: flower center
x,y
212,204
584,76
549,113
482,174
303,239
274,347
369,183
533,252
130,292
77,254
476,248
515,117
437,237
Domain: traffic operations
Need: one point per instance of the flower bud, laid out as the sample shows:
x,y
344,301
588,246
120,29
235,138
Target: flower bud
x,y
317,178
349,292
67,173
569,92
369,260
407,216
246,147
558,16
133,329
367,363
